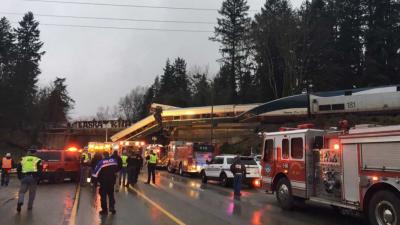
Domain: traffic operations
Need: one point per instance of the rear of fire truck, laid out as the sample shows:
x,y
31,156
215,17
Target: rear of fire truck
x,y
357,170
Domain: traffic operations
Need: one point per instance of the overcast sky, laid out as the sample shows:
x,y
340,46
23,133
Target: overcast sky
x,y
102,65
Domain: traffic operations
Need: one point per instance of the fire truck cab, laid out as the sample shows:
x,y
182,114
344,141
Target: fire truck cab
x,y
357,170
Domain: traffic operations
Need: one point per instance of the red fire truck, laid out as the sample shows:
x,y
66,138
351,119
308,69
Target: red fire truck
x,y
358,169
188,157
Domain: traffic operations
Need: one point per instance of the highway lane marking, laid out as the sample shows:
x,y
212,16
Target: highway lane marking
x,y
168,214
74,210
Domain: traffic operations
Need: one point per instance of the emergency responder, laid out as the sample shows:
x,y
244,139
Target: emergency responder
x,y
105,173
119,161
85,166
29,171
6,165
151,167
97,157
124,169
239,171
135,162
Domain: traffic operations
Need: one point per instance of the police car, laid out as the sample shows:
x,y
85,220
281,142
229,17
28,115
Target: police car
x,y
219,169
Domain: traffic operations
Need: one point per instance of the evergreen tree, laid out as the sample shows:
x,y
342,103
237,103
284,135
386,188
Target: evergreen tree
x,y
317,54
7,58
348,43
275,36
382,36
182,94
201,90
232,32
23,81
59,102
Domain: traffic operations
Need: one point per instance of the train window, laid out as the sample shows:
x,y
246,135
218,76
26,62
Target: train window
x,y
348,93
285,149
338,107
268,150
398,88
296,148
324,107
177,117
205,115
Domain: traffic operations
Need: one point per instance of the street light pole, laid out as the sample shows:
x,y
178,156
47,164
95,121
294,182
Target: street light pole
x,y
212,112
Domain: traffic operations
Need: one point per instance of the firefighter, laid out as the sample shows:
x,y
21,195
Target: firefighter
x,y
124,169
239,171
119,161
151,167
105,173
85,166
29,171
6,165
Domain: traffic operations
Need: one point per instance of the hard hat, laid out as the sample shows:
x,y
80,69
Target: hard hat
x,y
8,155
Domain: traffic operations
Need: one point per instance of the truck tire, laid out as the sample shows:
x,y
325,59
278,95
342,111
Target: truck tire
x,y
384,209
169,168
223,180
203,177
284,194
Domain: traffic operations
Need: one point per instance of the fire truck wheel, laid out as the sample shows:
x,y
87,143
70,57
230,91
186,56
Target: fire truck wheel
x,y
169,168
284,194
384,209
203,177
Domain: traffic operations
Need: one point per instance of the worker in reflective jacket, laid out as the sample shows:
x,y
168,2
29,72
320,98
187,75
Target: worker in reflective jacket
x,y
85,166
124,170
29,171
6,165
151,167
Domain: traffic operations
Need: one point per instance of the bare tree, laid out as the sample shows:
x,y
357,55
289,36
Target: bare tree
x,y
130,106
107,113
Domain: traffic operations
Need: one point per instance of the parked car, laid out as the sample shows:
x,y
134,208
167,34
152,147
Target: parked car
x,y
219,169
59,164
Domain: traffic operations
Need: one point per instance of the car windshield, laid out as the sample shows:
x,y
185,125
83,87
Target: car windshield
x,y
49,156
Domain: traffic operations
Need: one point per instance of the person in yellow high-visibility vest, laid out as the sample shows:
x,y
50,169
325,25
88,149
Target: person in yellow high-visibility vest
x,y
124,170
151,167
29,171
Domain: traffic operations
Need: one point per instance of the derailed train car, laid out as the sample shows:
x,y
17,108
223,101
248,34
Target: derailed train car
x,y
361,100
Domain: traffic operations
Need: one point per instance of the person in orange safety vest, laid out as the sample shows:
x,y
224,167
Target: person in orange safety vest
x,y
6,165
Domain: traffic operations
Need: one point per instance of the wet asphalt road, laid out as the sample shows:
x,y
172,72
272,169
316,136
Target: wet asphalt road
x,y
173,200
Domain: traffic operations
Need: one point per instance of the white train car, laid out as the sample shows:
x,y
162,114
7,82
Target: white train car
x,y
363,100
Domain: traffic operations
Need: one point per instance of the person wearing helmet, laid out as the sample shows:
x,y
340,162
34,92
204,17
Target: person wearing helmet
x,y
29,170
7,164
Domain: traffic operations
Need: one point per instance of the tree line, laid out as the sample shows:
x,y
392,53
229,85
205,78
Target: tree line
x,y
23,105
281,51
